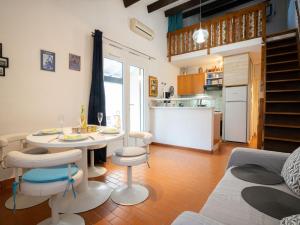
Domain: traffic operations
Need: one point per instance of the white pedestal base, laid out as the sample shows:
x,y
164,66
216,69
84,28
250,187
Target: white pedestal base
x,y
96,194
96,171
24,201
133,195
66,219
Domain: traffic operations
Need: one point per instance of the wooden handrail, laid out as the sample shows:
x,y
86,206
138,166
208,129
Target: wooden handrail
x,y
245,24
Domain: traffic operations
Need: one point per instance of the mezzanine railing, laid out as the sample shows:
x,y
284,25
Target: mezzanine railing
x,y
233,27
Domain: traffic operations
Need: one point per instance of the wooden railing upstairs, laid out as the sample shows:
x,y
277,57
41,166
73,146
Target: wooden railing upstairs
x,y
233,27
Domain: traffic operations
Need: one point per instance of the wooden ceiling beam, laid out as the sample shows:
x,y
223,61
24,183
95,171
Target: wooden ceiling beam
x,y
159,4
214,8
128,3
185,6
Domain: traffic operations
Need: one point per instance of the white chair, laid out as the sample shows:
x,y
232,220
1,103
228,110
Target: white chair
x,y
23,202
51,175
95,171
132,194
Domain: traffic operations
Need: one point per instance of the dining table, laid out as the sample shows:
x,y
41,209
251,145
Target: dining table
x,y
89,194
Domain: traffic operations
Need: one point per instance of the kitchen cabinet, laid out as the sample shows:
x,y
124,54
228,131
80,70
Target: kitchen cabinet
x,y
236,70
190,84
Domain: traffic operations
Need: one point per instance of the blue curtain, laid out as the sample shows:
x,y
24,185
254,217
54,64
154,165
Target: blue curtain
x,y
175,22
97,93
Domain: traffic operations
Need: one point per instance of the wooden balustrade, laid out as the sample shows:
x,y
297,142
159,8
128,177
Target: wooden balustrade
x,y
233,27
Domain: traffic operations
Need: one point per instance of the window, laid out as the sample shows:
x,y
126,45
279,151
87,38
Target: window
x,y
113,85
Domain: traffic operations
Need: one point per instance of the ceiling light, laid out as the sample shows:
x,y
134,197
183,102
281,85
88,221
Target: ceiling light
x,y
200,35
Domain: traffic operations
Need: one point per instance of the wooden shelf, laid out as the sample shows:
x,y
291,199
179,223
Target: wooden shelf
x,y
281,46
213,86
282,62
282,139
281,54
215,72
283,71
283,113
283,80
281,125
289,90
214,78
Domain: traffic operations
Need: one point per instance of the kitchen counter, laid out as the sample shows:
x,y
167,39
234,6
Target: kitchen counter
x,y
191,127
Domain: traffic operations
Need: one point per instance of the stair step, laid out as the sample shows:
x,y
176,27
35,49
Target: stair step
x,y
282,62
289,90
282,80
283,101
281,125
282,139
282,46
281,54
283,71
283,113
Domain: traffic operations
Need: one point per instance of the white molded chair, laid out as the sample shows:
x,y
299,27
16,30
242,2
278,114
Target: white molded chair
x,y
51,175
95,171
132,194
23,201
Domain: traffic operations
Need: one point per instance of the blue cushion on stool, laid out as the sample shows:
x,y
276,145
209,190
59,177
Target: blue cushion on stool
x,y
50,174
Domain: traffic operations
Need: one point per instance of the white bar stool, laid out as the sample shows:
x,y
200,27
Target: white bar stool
x,y
132,194
23,201
95,171
50,176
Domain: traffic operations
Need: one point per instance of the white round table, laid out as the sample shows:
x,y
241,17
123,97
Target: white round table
x,y
90,194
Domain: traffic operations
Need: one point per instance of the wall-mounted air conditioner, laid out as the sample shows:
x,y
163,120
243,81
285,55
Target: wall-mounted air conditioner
x,y
141,29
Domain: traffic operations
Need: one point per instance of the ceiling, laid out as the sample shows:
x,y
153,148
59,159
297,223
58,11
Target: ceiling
x,y
188,7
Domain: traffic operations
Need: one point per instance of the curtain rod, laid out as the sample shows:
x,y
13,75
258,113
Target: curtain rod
x,y
132,49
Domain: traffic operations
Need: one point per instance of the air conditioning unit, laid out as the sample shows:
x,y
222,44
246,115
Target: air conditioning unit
x,y
141,29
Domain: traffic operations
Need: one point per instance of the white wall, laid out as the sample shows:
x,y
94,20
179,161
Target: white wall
x,y
30,98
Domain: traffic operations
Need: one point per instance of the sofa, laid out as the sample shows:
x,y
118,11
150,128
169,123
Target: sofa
x,y
225,206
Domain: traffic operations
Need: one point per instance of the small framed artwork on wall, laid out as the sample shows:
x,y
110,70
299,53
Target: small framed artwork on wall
x,y
153,86
2,71
74,62
47,61
4,62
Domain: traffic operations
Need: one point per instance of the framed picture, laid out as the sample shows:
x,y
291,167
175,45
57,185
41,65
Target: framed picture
x,y
4,62
153,86
2,71
47,61
74,62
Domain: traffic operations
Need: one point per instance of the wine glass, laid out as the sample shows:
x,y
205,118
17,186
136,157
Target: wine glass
x,y
61,120
100,117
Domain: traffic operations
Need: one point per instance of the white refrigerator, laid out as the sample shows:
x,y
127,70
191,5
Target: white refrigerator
x,y
235,124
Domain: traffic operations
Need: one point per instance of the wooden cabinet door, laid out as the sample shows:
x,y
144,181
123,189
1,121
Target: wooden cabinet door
x,y
184,85
198,81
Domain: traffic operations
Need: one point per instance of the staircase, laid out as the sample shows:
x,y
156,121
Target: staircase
x,y
282,108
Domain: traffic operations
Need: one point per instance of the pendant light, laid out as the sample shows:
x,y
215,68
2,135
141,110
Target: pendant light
x,y
200,35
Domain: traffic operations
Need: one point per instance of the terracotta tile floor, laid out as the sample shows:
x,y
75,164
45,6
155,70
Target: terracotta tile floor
x,y
178,180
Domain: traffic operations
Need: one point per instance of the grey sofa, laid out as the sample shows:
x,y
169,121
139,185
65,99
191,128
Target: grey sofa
x,y
225,205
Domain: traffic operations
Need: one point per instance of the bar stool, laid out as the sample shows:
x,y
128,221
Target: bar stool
x,y
52,174
23,201
95,171
132,194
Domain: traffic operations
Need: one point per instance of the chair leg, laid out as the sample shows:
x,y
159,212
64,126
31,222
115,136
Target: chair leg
x,y
95,171
130,194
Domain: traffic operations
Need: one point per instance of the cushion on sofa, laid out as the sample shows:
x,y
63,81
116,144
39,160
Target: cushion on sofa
x,y
192,218
226,205
291,220
291,171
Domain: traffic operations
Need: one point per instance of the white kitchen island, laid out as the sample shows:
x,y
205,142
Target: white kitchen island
x,y
191,127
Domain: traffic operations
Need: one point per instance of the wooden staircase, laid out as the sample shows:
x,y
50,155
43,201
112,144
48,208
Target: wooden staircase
x,y
282,105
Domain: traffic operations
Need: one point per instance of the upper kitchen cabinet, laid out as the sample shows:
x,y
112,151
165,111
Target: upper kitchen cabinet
x,y
236,70
190,84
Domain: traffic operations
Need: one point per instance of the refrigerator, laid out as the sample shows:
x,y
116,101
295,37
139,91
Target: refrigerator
x,y
235,118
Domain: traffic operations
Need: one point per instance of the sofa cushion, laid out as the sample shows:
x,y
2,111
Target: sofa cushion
x,y
227,206
192,218
291,171
291,220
